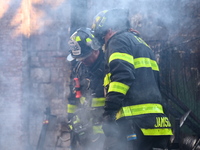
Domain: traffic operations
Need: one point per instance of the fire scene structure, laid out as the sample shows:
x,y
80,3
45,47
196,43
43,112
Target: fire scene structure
x,y
182,117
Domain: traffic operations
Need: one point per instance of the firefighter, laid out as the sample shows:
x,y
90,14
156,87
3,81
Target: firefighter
x,y
134,109
86,99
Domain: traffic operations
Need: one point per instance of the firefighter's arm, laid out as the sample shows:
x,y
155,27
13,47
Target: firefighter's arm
x,y
71,106
73,100
75,92
121,71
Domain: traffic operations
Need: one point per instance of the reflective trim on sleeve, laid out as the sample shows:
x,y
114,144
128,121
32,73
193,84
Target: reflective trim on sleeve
x,y
107,79
122,56
97,129
76,120
139,110
145,62
70,126
155,132
82,100
71,108
98,102
137,62
118,87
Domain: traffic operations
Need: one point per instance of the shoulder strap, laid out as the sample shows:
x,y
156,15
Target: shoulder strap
x,y
77,67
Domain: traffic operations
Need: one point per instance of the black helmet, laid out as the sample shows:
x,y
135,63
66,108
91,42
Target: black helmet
x,y
81,44
117,19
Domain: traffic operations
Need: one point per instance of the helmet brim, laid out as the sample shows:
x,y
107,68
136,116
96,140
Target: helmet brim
x,y
70,58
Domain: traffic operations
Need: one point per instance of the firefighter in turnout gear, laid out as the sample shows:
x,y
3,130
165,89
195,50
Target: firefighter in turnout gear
x,y
86,99
133,112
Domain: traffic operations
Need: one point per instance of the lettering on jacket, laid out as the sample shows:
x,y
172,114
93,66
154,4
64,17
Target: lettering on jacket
x,y
162,122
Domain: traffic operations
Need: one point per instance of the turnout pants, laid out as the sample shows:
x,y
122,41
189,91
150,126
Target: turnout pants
x,y
131,138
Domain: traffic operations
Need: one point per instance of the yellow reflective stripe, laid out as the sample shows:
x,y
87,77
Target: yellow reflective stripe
x,y
121,56
97,129
104,11
77,120
71,108
139,110
78,39
155,132
137,62
118,87
95,23
70,126
88,40
82,100
97,19
145,62
102,22
141,41
107,79
98,102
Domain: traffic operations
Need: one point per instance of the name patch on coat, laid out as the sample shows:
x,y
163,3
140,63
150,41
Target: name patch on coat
x,y
162,122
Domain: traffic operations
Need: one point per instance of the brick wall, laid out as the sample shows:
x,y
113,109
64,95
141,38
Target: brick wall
x,y
33,69
11,52
49,23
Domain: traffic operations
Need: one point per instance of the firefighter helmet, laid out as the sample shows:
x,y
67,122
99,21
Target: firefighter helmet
x,y
116,19
81,44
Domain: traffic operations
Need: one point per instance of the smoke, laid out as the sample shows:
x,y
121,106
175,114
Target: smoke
x,y
46,24
152,14
21,105
161,19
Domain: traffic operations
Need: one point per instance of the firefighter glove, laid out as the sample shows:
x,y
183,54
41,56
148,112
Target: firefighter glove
x,y
109,125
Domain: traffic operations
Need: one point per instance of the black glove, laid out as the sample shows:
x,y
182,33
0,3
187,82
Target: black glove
x,y
109,125
69,117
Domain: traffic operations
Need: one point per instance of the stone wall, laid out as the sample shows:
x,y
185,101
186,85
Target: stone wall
x,y
48,67
34,72
12,135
